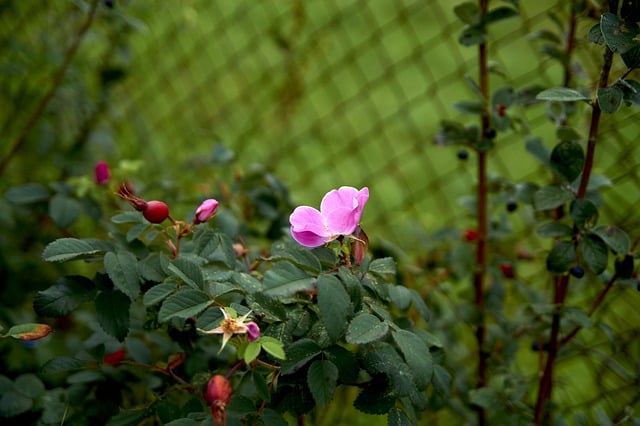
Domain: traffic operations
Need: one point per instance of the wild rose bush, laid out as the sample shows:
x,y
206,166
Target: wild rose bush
x,y
252,336
249,310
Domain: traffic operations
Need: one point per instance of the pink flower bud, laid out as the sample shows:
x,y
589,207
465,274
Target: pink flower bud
x,y
253,331
102,173
206,209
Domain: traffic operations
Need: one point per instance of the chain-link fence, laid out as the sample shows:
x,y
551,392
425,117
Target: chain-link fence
x,y
325,92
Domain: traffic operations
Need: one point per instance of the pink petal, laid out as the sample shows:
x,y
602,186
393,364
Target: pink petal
x,y
341,221
308,227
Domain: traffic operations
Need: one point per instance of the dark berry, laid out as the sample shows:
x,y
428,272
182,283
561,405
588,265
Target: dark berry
x,y
156,211
109,3
512,206
507,270
463,154
501,109
577,271
490,133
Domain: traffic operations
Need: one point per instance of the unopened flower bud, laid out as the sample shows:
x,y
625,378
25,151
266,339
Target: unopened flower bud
x,y
253,331
218,394
102,173
206,209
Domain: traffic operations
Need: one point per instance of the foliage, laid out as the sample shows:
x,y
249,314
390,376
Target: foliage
x,y
196,309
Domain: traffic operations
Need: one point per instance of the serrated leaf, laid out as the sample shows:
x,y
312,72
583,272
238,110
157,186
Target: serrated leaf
x,y
614,237
184,304
366,328
299,354
567,160
62,364
550,197
27,193
441,381
561,257
122,268
273,347
112,312
593,253
584,213
376,397
595,34
416,354
65,249
188,271
383,266
29,331
400,296
561,94
619,35
30,385
64,210
65,296
13,403
610,98
285,279
334,304
247,282
322,378
251,352
397,417
158,293
554,230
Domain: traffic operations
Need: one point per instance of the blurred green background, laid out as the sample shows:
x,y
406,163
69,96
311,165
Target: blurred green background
x,y
323,93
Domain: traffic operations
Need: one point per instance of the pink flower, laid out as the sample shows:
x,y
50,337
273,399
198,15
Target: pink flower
x,y
102,173
340,212
205,210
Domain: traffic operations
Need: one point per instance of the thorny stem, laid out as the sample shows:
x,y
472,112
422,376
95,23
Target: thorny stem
x,y
545,388
57,80
481,248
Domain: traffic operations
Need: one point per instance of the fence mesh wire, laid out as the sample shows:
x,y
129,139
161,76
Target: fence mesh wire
x,y
324,92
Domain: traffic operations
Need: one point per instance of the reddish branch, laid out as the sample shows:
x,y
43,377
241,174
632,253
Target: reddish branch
x,y
481,248
561,283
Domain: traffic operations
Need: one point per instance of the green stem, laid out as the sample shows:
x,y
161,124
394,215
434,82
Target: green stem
x,y
57,80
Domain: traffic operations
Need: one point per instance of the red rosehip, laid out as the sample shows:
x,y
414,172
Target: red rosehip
x,y
507,270
156,211
114,358
501,109
218,395
471,234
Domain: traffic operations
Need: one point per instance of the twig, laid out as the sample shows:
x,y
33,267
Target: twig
x,y
57,80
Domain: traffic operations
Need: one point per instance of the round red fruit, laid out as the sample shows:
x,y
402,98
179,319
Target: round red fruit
x,y
156,211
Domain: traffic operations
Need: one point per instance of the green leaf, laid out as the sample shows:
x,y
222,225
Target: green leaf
x,y
13,403
251,352
631,57
299,353
376,397
467,12
561,94
64,210
63,297
561,257
614,237
30,385
416,354
441,381
112,312
472,35
567,160
188,271
383,266
285,279
322,378
610,98
272,346
550,197
485,398
595,34
183,422
469,107
62,364
334,305
158,293
618,35
366,328
593,253
397,417
346,362
554,230
537,148
122,268
400,296
584,213
65,249
499,14
27,193
184,304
